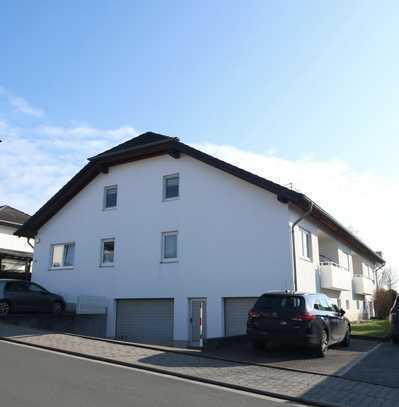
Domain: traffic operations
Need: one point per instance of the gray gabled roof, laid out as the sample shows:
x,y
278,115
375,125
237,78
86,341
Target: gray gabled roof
x,y
150,145
12,217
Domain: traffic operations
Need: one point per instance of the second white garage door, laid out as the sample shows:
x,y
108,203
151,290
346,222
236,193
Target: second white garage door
x,y
147,321
236,313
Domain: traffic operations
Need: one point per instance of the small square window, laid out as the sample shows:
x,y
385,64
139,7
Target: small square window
x,y
107,252
63,255
110,196
171,186
169,246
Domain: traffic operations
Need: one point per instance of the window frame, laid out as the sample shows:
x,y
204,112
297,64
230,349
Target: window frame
x,y
102,263
163,236
165,178
63,266
347,257
106,189
305,233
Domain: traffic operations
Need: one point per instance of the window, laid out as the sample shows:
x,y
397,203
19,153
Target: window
x,y
17,286
35,288
345,261
322,303
367,271
279,302
171,186
306,244
169,246
107,252
110,197
357,304
339,303
348,304
63,255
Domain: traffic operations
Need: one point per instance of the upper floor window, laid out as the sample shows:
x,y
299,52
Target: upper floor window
x,y
107,252
110,197
306,244
169,246
62,255
345,260
170,186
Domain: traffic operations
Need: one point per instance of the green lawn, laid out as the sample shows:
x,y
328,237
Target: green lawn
x,y
378,328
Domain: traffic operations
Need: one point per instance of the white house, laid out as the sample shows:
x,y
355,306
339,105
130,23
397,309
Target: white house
x,y
15,252
161,230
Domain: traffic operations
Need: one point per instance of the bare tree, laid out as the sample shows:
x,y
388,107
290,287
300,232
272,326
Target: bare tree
x,y
387,278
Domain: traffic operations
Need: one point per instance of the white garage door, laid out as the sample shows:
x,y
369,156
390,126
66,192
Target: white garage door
x,y
236,313
147,321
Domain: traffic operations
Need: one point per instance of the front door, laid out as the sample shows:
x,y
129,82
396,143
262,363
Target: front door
x,y
197,321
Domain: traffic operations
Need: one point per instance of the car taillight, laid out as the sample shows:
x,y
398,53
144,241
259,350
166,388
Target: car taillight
x,y
306,316
253,313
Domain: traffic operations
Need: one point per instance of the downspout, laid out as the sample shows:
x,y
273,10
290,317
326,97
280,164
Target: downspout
x,y
307,213
29,243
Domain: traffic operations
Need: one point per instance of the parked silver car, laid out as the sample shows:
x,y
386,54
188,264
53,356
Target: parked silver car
x,y
24,296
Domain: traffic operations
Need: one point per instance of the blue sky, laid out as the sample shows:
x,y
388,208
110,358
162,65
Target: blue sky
x,y
309,83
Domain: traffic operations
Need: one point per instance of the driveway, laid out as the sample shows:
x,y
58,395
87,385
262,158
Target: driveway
x,y
336,362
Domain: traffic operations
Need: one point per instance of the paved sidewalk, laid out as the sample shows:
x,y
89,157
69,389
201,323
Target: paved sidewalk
x,y
306,386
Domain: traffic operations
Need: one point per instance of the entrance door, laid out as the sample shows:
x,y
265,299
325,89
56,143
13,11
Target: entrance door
x,y
195,320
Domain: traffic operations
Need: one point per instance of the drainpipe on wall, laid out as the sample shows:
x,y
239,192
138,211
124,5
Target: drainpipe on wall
x,y
29,243
307,213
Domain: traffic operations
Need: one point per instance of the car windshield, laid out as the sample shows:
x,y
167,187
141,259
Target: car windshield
x,y
280,302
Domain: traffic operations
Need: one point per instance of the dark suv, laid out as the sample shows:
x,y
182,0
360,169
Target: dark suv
x,y
394,317
23,296
300,319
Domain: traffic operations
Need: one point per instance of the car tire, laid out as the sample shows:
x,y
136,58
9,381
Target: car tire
x,y
322,347
347,340
57,308
395,339
4,308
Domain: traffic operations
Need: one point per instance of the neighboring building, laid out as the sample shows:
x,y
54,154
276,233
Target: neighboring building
x,y
15,252
159,229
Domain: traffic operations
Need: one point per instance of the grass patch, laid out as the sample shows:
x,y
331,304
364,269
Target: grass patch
x,y
377,328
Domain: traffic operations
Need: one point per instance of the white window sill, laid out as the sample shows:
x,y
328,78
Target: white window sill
x,y
113,208
176,198
107,265
60,268
166,261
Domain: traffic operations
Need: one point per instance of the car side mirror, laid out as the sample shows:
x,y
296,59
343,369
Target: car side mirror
x,y
342,312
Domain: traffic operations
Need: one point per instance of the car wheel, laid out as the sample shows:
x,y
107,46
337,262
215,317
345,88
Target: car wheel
x,y
56,308
4,308
323,345
347,340
395,339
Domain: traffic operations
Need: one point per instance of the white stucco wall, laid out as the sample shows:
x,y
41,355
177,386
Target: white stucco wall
x,y
233,240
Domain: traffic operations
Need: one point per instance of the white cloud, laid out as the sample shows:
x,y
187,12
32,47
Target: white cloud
x,y
36,162
364,202
23,106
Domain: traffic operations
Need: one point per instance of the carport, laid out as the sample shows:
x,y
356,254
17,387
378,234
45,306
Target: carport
x,y
15,264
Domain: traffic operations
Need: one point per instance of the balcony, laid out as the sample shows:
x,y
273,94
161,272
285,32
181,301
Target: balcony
x,y
334,277
363,285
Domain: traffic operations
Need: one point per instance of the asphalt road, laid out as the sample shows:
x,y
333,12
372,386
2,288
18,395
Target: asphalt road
x,y
31,377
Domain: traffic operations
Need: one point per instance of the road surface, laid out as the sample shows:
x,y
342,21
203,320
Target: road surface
x,y
34,378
